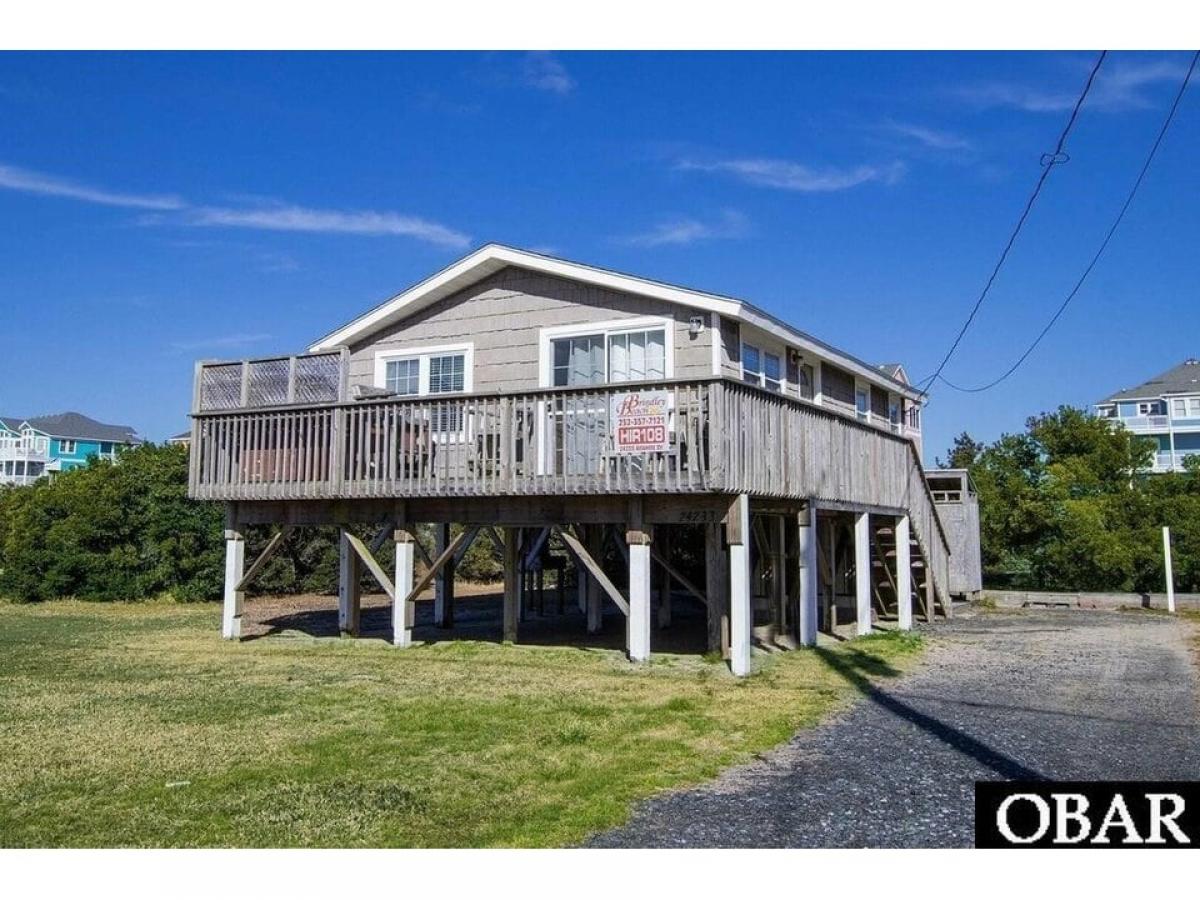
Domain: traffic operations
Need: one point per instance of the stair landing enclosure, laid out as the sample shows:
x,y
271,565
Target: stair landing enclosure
x,y
548,406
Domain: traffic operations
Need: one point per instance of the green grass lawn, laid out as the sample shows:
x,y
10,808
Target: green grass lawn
x,y
135,725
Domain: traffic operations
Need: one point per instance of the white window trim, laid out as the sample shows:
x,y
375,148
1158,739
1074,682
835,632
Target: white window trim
x,y
862,387
64,443
766,343
606,329
422,353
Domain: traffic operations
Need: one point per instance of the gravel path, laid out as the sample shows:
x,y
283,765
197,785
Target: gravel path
x,y
1031,694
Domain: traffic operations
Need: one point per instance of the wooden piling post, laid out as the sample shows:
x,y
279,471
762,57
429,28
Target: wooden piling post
x,y
716,585
235,569
663,536
807,575
862,572
737,535
349,589
443,585
595,597
512,584
904,598
638,635
404,610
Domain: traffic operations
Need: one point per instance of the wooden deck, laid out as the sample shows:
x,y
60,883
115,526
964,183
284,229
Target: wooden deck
x,y
288,432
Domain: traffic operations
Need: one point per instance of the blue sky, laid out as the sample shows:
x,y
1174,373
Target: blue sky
x,y
159,208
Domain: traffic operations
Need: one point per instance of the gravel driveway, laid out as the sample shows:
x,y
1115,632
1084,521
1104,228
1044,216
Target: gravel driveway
x,y
1030,694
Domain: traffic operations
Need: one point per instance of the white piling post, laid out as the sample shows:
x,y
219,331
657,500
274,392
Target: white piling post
x,y
403,613
808,575
862,572
737,528
1170,574
638,637
235,569
904,602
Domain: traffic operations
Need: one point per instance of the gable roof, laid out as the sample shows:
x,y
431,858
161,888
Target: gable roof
x,y
11,423
894,370
1181,379
77,426
491,258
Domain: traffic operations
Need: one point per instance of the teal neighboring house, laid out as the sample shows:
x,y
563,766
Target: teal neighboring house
x,y
44,445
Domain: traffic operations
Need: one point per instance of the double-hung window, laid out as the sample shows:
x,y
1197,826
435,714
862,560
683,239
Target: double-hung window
x,y
403,376
447,375
578,360
862,403
761,368
435,371
67,447
637,356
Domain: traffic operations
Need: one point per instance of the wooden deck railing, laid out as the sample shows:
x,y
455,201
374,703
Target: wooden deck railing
x,y
535,442
724,436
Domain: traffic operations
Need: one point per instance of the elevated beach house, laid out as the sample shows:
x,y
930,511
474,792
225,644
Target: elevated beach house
x,y
43,445
1165,409
631,427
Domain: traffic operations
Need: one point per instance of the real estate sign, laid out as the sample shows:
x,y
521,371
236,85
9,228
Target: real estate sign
x,y
639,421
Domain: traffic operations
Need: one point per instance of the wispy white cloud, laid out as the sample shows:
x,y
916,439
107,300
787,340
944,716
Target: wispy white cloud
x,y
325,221
542,70
685,230
932,138
1120,86
170,209
221,342
793,176
29,182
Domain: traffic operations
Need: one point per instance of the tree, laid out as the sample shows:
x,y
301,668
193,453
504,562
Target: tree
x,y
1067,505
963,453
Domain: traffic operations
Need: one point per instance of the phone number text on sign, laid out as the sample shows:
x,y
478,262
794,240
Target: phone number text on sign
x,y
639,422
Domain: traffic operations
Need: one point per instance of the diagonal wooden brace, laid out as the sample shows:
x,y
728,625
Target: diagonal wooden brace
x,y
265,557
436,566
372,566
674,573
580,552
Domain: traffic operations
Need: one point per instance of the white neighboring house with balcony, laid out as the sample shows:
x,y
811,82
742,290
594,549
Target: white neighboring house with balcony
x,y
1167,409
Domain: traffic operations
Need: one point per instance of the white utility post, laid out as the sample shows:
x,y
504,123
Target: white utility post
x,y
862,572
1170,574
904,574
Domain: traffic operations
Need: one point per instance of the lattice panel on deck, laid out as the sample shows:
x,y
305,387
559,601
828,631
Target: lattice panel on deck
x,y
318,378
268,382
221,386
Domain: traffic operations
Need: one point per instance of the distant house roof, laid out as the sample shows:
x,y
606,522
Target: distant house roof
x,y
1182,379
182,436
77,426
491,258
894,371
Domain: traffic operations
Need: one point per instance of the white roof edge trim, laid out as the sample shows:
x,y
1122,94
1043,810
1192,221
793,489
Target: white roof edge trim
x,y
392,310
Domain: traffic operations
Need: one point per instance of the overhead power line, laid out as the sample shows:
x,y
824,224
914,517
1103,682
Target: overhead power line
x,y
1103,244
1049,161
